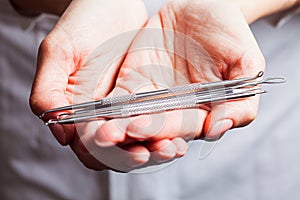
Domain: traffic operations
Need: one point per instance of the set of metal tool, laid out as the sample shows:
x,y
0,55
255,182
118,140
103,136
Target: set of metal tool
x,y
180,97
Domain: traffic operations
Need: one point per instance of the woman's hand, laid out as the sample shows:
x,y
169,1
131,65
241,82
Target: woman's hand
x,y
187,42
63,55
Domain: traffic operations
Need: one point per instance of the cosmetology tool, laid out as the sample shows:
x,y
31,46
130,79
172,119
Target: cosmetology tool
x,y
179,97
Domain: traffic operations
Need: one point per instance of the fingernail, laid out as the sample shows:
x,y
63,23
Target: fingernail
x,y
181,146
166,154
116,136
103,140
219,129
134,164
138,161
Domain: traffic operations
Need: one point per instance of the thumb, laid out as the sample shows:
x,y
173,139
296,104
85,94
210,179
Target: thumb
x,y
236,113
49,88
229,115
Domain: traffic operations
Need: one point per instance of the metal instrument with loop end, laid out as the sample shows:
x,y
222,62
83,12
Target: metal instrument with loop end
x,y
179,97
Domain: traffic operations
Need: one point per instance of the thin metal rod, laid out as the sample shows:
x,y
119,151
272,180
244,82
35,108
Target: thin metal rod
x,y
117,113
203,90
179,97
140,96
221,91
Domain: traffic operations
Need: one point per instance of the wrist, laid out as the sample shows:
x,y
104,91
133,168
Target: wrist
x,y
256,9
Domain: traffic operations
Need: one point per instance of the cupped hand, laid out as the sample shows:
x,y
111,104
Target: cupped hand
x,y
187,42
63,58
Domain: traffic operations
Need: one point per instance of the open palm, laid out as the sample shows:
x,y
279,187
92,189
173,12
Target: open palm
x,y
64,54
188,42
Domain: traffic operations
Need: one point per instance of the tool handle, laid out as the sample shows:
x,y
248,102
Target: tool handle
x,y
147,107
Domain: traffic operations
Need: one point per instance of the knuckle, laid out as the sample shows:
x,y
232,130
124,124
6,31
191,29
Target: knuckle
x,y
247,64
34,105
46,46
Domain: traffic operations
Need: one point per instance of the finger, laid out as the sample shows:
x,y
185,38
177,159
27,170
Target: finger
x,y
162,150
87,159
125,158
55,64
109,134
114,131
137,155
181,146
121,158
187,124
239,113
167,150
49,87
64,134
230,115
104,140
115,158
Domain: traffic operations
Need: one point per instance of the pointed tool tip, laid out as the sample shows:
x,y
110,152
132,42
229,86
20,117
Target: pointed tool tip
x,y
42,115
51,122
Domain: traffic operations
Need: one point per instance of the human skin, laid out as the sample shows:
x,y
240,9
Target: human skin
x,y
55,76
218,45
63,55
255,9
234,54
227,50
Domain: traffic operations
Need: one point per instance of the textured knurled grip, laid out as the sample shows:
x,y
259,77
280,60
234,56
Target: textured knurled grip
x,y
120,99
186,88
148,107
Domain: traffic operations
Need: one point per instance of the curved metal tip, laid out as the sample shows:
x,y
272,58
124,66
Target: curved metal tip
x,y
262,92
260,74
42,115
274,80
62,115
51,122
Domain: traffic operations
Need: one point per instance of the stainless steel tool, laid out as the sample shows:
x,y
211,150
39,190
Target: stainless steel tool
x,y
179,97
